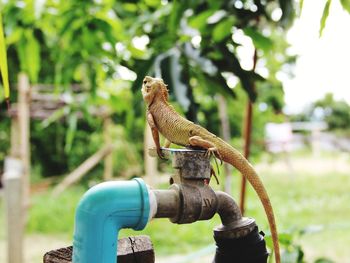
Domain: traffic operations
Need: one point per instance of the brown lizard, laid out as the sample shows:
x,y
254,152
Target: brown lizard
x,y
162,118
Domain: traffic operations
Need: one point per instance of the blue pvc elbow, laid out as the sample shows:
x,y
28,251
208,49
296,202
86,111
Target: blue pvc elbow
x,y
102,212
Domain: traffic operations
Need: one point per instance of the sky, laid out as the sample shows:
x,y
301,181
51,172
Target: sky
x,y
323,64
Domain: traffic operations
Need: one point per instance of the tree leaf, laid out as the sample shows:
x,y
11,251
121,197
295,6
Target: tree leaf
x,y
117,29
3,61
178,8
14,37
232,64
200,21
194,55
169,68
223,29
32,56
54,117
29,54
153,3
259,40
301,4
142,69
324,16
72,127
346,5
288,13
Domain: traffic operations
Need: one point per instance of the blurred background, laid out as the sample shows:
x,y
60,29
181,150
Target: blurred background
x,y
271,77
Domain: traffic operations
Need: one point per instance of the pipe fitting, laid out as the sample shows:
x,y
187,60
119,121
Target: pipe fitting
x,y
197,202
233,224
190,198
168,203
186,203
228,210
102,212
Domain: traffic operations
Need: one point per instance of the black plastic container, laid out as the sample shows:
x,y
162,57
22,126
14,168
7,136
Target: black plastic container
x,y
248,249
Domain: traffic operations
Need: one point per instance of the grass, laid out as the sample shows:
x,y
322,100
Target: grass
x,y
54,215
312,205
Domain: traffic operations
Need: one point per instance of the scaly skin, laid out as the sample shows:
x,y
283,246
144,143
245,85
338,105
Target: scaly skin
x,y
162,118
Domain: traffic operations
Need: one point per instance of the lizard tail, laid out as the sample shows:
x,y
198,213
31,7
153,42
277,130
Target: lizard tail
x,y
233,157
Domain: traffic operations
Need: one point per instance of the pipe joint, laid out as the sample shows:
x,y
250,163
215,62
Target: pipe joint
x,y
102,212
233,224
190,198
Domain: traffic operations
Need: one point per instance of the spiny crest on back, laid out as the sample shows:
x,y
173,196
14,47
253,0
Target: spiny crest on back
x,y
163,88
165,91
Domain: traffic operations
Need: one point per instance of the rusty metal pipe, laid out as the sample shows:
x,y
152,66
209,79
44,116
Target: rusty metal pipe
x,y
168,203
190,198
228,210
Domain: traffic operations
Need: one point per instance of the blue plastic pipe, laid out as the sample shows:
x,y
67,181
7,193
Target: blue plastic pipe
x,y
102,212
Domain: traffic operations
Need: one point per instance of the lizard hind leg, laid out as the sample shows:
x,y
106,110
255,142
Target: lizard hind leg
x,y
167,143
198,141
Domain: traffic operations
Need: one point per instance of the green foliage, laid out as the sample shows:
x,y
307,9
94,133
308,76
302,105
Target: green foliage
x,y
3,62
324,16
336,113
344,3
4,138
205,41
24,35
107,48
259,40
54,215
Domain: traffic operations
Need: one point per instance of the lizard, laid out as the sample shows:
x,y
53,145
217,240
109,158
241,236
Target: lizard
x,y
162,118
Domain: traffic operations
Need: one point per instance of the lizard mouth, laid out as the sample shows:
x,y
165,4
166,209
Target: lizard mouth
x,y
146,88
146,84
146,91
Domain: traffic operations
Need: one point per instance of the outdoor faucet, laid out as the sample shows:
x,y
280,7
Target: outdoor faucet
x,y
110,206
190,198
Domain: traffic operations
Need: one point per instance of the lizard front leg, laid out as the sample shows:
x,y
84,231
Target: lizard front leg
x,y
155,134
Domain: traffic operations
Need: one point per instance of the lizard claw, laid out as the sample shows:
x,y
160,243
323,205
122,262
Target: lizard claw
x,y
160,154
212,173
215,152
220,160
209,153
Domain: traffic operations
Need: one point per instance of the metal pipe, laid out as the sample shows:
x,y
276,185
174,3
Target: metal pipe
x,y
228,210
168,203
102,212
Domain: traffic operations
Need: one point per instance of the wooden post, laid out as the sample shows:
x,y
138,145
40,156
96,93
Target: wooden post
x,y
225,131
247,141
151,171
15,138
12,177
108,161
130,250
24,135
248,121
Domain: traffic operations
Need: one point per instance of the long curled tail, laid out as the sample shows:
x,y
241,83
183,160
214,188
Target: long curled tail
x,y
241,164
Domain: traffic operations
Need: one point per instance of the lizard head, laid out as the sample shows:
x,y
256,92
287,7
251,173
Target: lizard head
x,y
154,88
